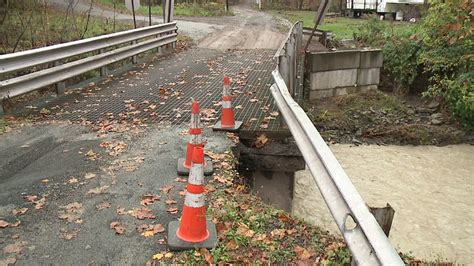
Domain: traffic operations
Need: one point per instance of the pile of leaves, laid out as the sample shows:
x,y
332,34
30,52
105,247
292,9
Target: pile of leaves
x,y
250,231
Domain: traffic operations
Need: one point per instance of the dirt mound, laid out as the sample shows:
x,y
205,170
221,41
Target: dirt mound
x,y
376,117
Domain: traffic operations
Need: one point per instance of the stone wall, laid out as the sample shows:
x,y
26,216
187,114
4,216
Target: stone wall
x,y
342,72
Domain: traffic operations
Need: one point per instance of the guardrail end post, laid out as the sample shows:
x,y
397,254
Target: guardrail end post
x,y
60,86
104,71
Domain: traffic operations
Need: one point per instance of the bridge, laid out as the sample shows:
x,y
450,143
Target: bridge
x,y
118,136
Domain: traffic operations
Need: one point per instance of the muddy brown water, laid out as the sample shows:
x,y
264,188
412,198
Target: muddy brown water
x,y
430,188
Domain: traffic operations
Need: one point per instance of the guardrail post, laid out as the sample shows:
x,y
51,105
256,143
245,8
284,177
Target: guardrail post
x,y
134,58
158,50
60,86
173,45
104,71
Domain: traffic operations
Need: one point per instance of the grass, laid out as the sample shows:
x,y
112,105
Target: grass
x,y
47,27
210,9
109,4
342,27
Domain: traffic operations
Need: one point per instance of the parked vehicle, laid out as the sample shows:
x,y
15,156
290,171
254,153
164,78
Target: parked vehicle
x,y
396,9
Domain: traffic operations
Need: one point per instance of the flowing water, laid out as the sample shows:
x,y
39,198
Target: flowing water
x,y
430,188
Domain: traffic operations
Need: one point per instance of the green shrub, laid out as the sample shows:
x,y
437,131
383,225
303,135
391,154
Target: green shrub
x,y
447,54
442,46
399,48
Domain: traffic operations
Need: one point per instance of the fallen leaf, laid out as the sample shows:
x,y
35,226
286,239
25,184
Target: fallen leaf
x,y
30,198
207,255
170,201
282,217
278,233
103,205
168,255
91,155
172,210
68,235
149,199
261,141
18,212
142,213
16,224
302,253
166,189
4,224
244,231
39,204
232,245
120,211
73,180
223,228
71,212
89,176
274,113
150,230
260,237
181,180
98,190
158,256
15,247
117,226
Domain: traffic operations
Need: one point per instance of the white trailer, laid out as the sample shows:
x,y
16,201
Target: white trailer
x,y
395,8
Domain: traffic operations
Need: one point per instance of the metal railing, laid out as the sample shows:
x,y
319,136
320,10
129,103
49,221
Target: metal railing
x,y
366,240
136,41
287,57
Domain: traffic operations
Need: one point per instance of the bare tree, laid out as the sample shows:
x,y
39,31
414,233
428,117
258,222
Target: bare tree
x,y
88,19
25,27
5,4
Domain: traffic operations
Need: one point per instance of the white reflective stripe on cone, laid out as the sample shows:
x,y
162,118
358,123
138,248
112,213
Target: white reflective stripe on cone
x,y
226,90
194,200
196,175
226,104
195,121
195,139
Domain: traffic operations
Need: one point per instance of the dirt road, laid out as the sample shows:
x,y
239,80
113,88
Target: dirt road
x,y
431,189
252,30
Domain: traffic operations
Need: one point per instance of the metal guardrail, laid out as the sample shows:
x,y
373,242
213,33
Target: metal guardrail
x,y
139,40
366,240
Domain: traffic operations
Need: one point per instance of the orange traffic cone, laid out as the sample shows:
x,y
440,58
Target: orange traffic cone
x,y
195,140
227,122
193,231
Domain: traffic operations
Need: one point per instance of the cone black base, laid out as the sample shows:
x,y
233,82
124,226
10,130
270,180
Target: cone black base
x,y
176,244
208,170
218,127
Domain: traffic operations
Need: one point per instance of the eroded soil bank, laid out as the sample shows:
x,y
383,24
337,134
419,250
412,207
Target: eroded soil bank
x,y
430,188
